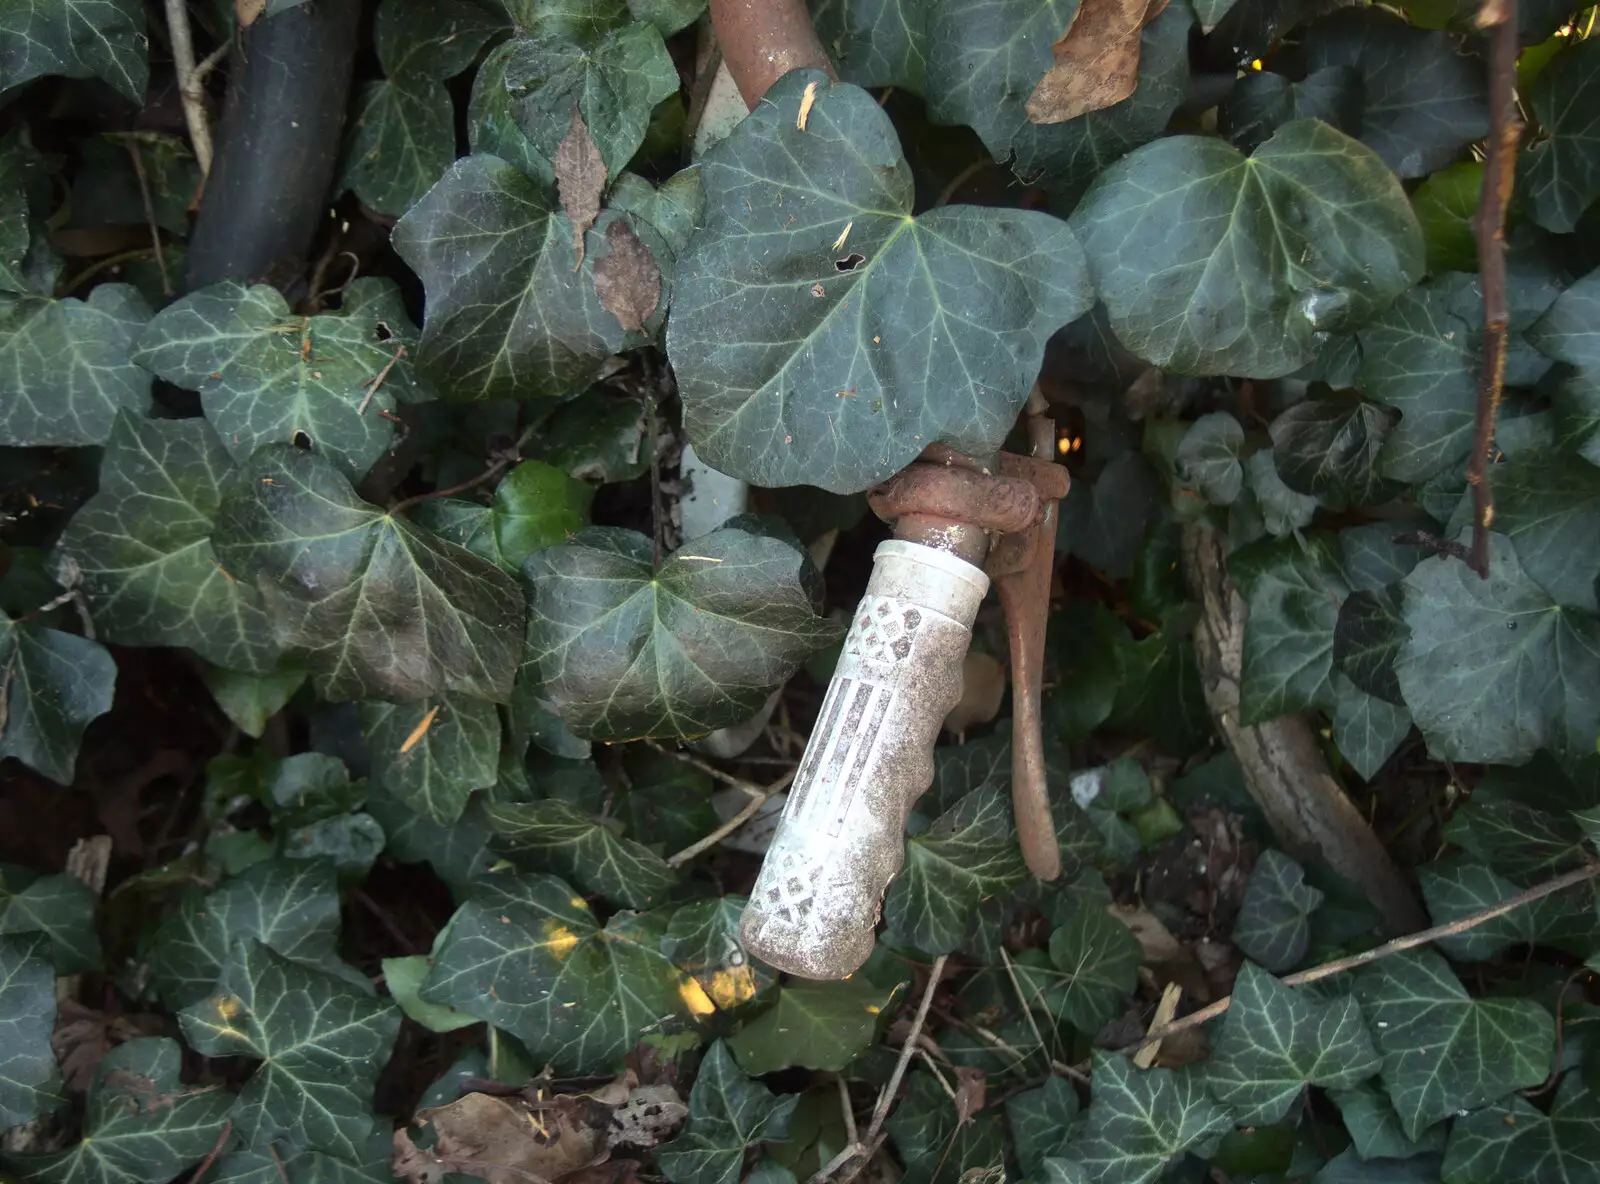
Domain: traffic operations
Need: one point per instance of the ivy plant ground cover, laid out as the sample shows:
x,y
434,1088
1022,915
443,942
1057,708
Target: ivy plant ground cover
x,y
356,634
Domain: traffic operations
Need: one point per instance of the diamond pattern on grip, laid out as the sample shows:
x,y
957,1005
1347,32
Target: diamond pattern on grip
x,y
884,629
791,888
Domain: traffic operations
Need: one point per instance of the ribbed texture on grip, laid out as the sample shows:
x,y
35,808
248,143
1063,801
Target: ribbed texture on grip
x,y
815,905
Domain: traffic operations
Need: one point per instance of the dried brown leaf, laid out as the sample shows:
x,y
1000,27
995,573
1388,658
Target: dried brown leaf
x,y
505,1140
580,179
246,11
627,280
1096,60
972,1088
983,687
84,1035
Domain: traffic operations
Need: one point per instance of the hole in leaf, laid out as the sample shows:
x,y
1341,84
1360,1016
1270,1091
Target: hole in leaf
x,y
850,262
301,440
381,331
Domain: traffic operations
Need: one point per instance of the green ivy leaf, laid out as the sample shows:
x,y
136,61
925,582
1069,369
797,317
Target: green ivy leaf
x,y
1457,888
69,364
432,39
272,1166
322,1044
1569,331
376,607
142,547
814,1025
526,955
875,42
102,39
403,977
1041,1122
1104,522
1141,1120
142,1127
250,700
291,906
1424,99
1283,511
536,506
1209,455
401,140
1294,590
433,753
1442,1050
1258,256
1274,922
266,376
1515,838
967,856
845,400
1559,176
615,83
1261,102
1366,729
728,1113
584,850
1548,505
1375,1128
350,842
1513,1140
458,853
984,62
936,1145
1093,967
22,167
702,940
506,313
59,907
1086,641
1445,204
1367,638
1328,447
1276,1041
106,186
626,651
1494,669
53,685
29,1084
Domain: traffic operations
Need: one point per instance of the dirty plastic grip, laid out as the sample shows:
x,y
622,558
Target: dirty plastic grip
x,y
841,839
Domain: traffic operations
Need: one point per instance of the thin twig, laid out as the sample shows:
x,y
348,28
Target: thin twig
x,y
658,502
277,1162
1409,942
996,1041
1027,1008
372,384
880,1112
149,214
760,798
708,768
846,1108
110,262
1499,18
960,179
211,1157
192,95
496,467
211,61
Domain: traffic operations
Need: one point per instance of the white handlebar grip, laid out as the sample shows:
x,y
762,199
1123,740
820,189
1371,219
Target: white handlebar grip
x,y
841,840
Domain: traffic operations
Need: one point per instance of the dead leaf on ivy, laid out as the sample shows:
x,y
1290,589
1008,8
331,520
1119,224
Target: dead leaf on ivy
x,y
246,11
627,280
1096,60
580,179
83,1036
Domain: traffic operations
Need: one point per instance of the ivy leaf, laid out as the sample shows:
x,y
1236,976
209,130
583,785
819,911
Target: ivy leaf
x,y
843,402
1442,1050
250,700
1276,1041
875,42
506,313
702,940
526,955
458,853
68,363
1559,176
584,850
102,39
983,63
1261,102
1245,287
626,651
1140,1120
1104,523
821,1025
271,1166
59,907
1294,591
1283,511
142,547
1457,888
1494,669
1328,447
266,376
376,607
29,1084
106,186
433,753
1375,1128
53,685
1515,838
1569,331
1094,966
1366,729
401,140
1367,638
1425,99
1445,203
22,166
323,1044
1041,1122
940,1146
728,1113
1373,560
142,1125
1209,455
1548,505
432,39
1274,922
967,856
536,506
291,906
1515,1140
614,82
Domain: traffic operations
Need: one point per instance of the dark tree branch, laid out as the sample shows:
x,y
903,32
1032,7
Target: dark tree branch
x,y
1499,18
